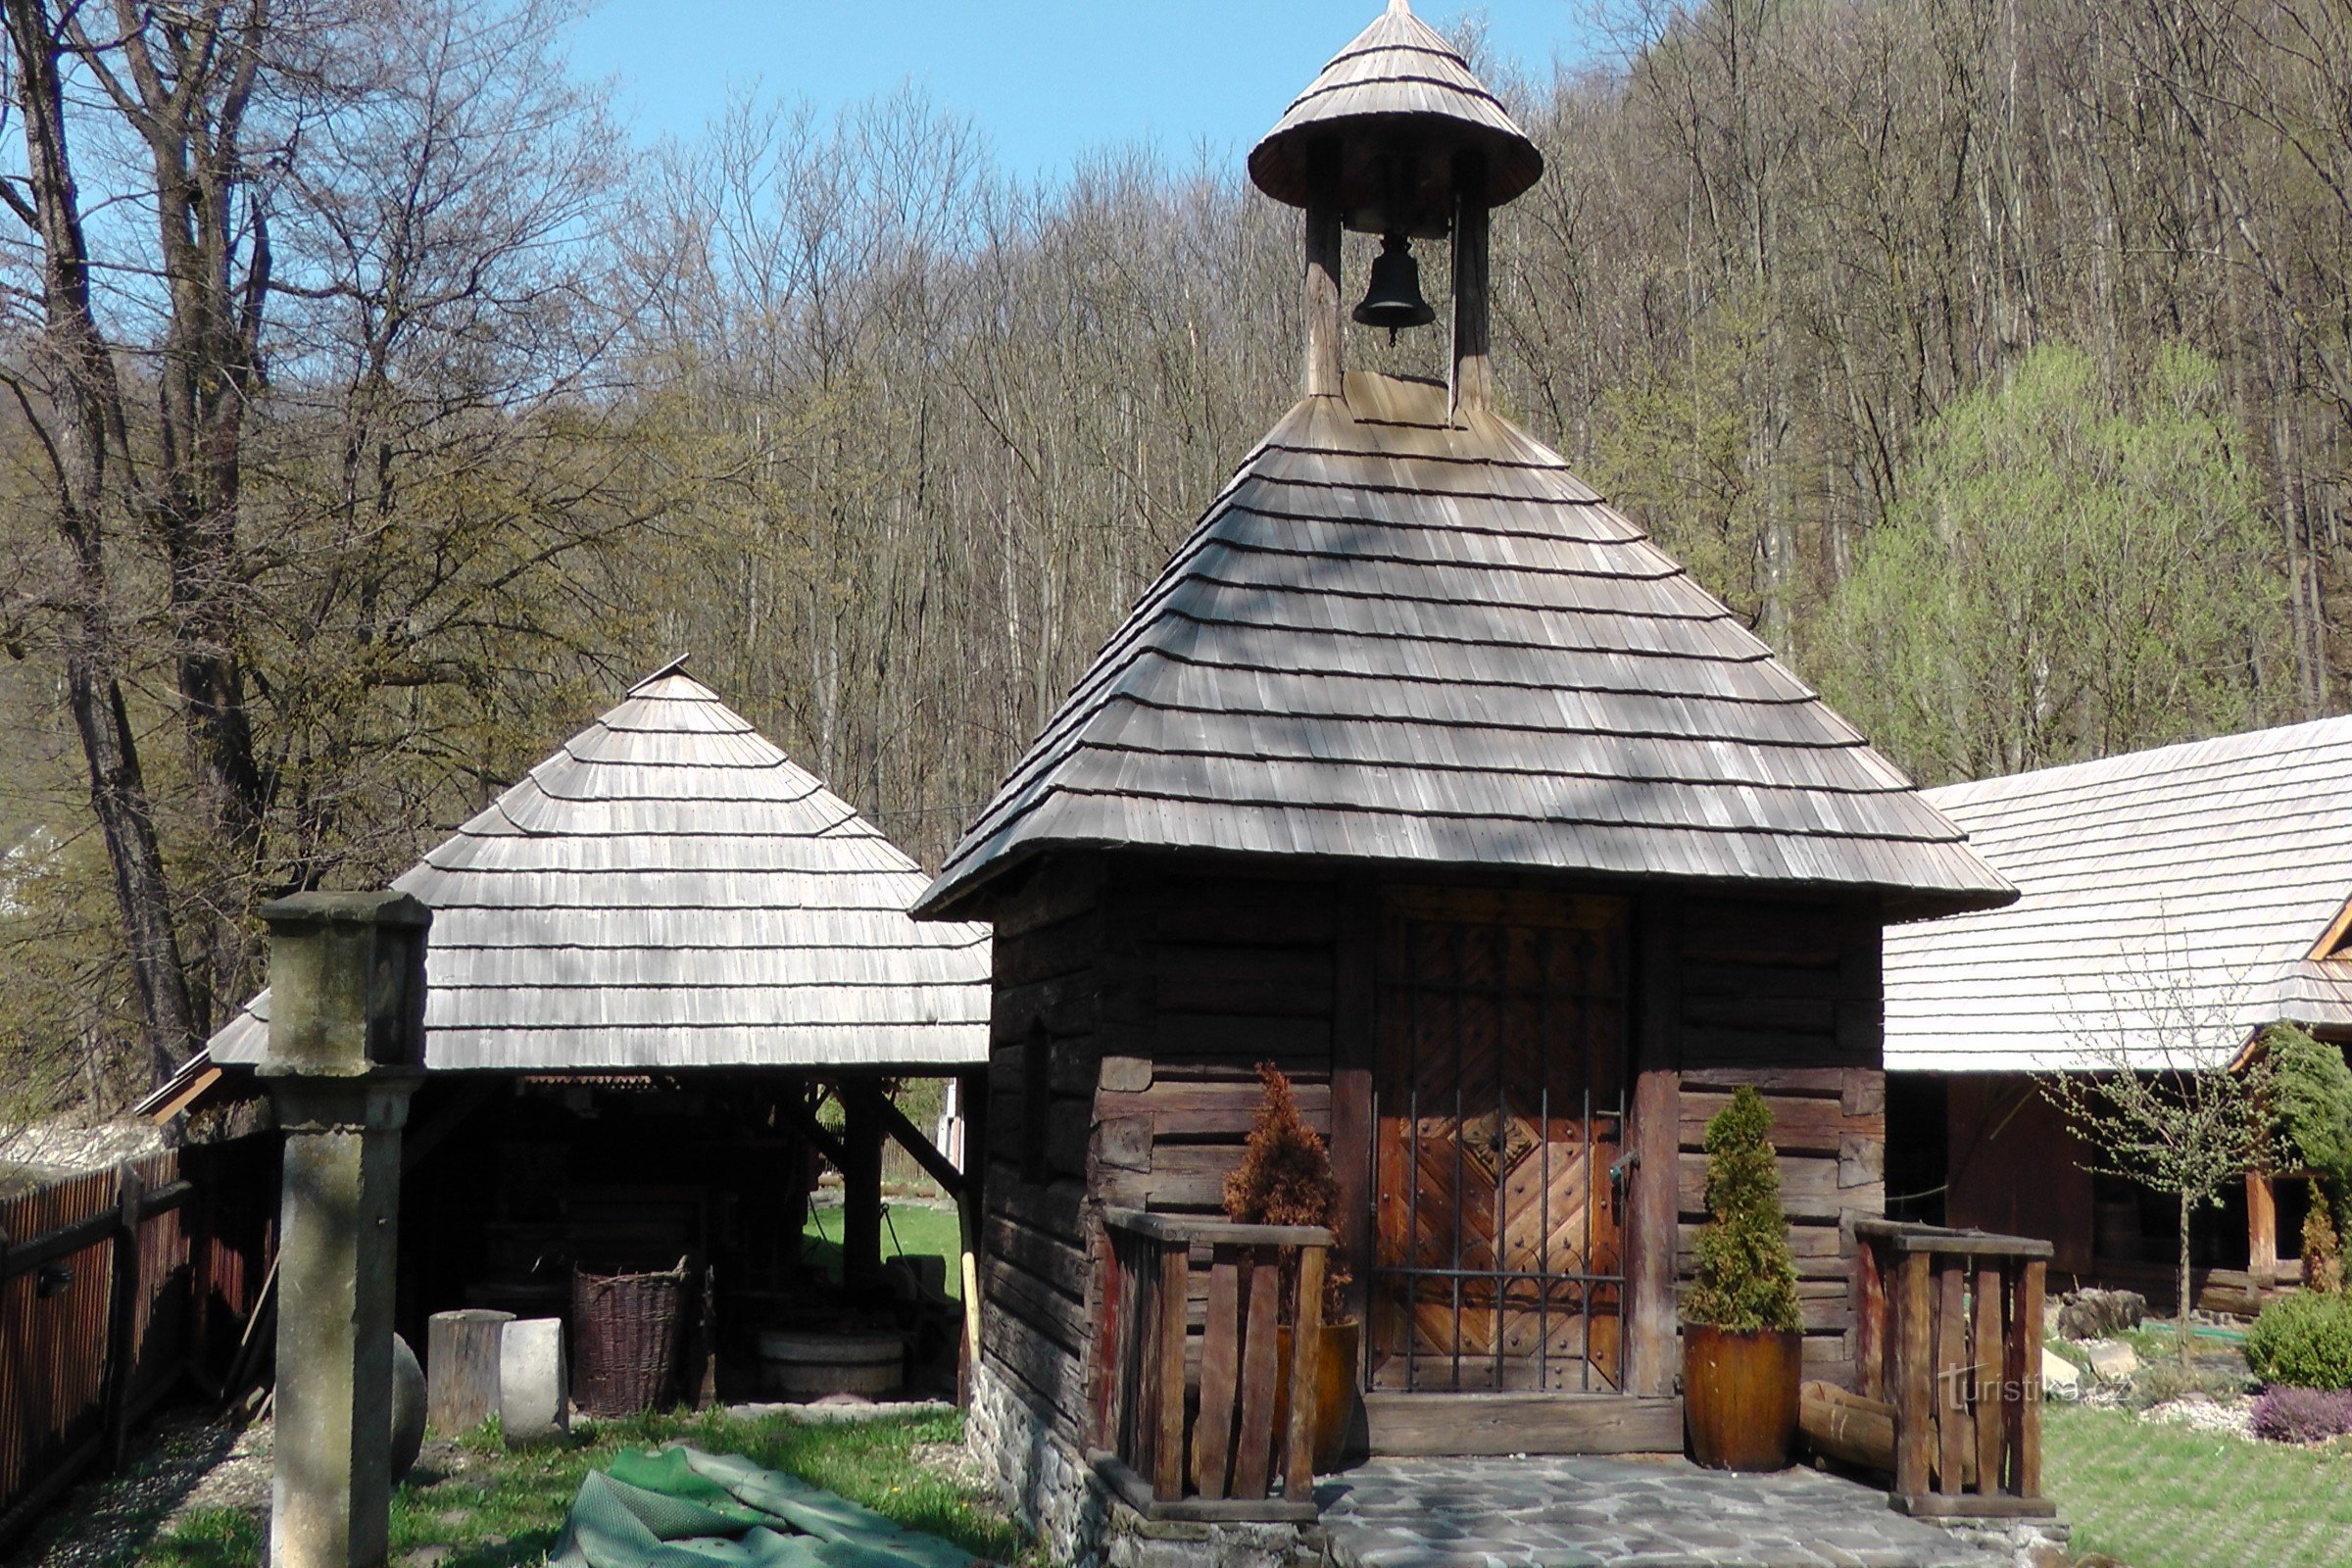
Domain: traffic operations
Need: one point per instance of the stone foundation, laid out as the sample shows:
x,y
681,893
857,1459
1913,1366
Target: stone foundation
x,y
1046,1484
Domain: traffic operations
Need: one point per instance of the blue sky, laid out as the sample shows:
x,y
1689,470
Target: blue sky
x,y
1044,79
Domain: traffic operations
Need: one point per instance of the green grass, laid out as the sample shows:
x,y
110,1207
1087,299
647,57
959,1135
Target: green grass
x,y
918,1232
496,1508
209,1538
2158,1496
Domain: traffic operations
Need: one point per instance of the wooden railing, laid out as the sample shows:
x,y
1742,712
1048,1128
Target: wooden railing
x,y
1949,1337
1199,1425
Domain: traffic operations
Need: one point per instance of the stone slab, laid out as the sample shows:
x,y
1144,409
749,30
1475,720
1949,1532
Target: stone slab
x,y
1593,1512
532,1406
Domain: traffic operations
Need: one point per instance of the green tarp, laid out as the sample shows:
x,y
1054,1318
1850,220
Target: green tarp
x,y
684,1508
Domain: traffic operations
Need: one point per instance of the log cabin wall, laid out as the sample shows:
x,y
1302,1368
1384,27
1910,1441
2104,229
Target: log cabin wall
x,y
1787,997
1155,987
1154,993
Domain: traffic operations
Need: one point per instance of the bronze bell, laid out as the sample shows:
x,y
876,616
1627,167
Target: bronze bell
x,y
1393,298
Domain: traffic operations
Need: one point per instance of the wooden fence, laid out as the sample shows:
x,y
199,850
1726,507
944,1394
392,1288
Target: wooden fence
x,y
114,1287
1223,1461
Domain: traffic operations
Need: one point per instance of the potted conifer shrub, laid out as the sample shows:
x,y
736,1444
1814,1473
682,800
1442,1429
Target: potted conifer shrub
x,y
1742,1351
1285,1178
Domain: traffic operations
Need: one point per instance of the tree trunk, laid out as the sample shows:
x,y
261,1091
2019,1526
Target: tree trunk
x,y
2181,1325
84,426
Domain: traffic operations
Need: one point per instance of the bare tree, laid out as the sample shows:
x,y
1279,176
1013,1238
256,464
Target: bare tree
x,y
2158,1095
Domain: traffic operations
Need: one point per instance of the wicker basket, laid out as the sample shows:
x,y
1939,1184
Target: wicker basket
x,y
626,1330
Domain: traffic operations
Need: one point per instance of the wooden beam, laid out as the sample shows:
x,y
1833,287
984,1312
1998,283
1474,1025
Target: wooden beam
x,y
1473,363
1321,283
861,1182
2262,1228
794,1109
417,1141
186,1095
1471,1424
910,1137
1353,1050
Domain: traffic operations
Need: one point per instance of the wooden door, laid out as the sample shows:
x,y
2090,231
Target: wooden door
x,y
1499,1099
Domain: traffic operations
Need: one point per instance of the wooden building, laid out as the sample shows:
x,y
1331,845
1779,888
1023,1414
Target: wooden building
x,y
1423,773
2174,903
651,959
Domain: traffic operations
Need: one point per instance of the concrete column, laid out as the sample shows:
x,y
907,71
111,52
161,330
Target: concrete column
x,y
346,1050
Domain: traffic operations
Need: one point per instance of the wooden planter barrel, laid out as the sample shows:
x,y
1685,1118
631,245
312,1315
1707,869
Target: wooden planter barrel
x,y
1739,1395
803,1366
1335,1399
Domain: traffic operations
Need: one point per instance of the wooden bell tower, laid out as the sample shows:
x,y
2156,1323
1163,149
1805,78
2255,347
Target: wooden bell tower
x,y
1396,137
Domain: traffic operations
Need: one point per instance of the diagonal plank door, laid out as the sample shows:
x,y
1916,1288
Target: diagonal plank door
x,y
1500,1106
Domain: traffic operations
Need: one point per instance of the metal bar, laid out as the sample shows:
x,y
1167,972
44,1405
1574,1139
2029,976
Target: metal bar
x,y
1543,1027
1412,1175
1584,1295
1502,1145
1460,969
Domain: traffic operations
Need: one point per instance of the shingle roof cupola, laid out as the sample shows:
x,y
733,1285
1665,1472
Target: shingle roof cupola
x,y
1400,106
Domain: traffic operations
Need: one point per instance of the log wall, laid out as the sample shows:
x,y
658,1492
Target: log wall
x,y
1787,997
1152,988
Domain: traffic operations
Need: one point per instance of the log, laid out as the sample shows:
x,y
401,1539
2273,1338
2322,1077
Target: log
x,y
461,1368
1846,1427
1852,1430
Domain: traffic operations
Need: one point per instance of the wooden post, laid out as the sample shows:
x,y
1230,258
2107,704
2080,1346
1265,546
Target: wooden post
x,y
1253,1465
1653,1210
1167,1455
2026,1327
1951,1376
1354,980
1986,1358
1473,365
1321,299
1109,1358
1915,1378
122,1318
1652,1224
1220,1371
1870,1320
861,1183
2262,1231
1306,1346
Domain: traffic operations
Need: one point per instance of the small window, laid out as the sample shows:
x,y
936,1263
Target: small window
x,y
1037,1104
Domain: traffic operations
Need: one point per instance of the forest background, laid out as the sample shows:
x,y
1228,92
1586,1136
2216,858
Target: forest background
x,y
375,415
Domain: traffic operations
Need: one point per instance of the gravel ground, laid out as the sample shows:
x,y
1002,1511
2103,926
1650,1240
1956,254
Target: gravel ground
x,y
189,1461
2206,1414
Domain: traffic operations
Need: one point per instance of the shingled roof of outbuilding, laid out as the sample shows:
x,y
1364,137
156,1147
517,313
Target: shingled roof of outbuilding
x,y
1402,634
670,891
2174,902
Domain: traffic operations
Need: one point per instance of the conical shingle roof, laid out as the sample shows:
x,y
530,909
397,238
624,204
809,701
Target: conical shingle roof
x,y
1399,86
1402,634
668,891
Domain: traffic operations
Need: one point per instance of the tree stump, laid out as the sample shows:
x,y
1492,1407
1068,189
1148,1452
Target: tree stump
x,y
461,1369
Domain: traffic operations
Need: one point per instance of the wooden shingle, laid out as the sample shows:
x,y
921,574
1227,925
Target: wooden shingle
x,y
2170,904
670,891
1406,634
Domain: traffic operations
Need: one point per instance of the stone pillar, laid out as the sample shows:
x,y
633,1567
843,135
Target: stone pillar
x,y
346,1050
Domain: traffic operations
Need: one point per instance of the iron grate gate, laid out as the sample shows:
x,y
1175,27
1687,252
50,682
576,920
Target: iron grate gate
x,y
1499,1116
